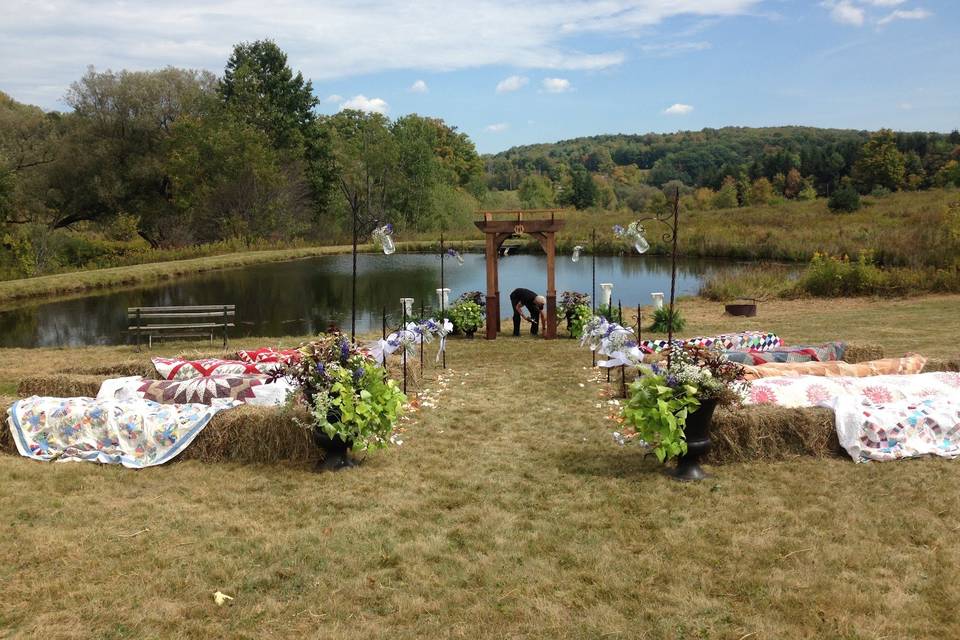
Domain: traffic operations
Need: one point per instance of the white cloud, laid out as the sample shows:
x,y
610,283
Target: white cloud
x,y
512,83
363,103
905,14
420,86
334,99
845,12
556,85
497,127
905,106
46,45
885,3
665,50
678,109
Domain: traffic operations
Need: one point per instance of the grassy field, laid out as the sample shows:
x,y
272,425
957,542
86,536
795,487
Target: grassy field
x,y
507,512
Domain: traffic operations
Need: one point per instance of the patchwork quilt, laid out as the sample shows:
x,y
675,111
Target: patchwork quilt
x,y
907,365
809,353
819,391
743,341
178,369
268,354
136,433
902,429
253,390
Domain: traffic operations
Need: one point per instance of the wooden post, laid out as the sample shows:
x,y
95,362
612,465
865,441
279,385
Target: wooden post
x,y
551,328
492,301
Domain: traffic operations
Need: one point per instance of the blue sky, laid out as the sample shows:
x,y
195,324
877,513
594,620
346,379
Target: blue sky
x,y
512,73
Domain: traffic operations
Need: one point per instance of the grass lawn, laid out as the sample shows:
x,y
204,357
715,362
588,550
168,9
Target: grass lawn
x,y
507,512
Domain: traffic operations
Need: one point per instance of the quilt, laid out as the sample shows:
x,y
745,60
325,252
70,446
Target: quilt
x,y
902,429
179,369
253,390
135,433
269,354
808,353
743,341
818,391
907,365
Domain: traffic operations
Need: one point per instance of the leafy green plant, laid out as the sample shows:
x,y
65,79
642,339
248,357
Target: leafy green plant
x,y
466,316
845,199
662,399
346,393
662,320
577,318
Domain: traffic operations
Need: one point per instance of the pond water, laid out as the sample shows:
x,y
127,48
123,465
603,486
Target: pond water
x,y
306,296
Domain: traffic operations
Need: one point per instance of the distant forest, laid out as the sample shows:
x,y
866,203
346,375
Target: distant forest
x,y
733,166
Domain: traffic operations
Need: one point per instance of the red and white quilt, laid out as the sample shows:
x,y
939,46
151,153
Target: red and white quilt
x,y
179,369
268,354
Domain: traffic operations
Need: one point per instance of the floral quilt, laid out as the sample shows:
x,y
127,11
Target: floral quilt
x,y
819,391
254,390
179,369
136,433
902,429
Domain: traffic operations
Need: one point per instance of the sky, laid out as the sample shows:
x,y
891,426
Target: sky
x,y
511,72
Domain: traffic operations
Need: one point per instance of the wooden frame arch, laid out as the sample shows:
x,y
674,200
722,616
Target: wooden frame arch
x,y
496,232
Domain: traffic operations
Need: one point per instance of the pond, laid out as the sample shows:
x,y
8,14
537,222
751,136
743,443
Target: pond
x,y
306,296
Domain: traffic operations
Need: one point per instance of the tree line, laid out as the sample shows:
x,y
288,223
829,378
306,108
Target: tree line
x,y
176,157
722,168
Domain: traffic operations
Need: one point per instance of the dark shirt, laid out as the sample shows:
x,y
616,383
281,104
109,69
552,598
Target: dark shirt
x,y
526,298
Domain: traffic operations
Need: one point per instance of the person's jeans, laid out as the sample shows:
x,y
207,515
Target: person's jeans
x,y
534,327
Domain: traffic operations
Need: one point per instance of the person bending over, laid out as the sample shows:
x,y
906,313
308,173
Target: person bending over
x,y
534,304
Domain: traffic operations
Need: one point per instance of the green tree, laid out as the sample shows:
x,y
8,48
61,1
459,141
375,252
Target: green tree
x,y
880,163
726,197
261,89
536,192
761,192
845,198
583,190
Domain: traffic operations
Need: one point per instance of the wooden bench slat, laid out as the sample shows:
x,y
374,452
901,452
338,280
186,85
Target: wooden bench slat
x,y
187,314
166,327
205,307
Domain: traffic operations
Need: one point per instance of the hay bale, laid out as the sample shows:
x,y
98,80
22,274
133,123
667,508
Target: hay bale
x,y
253,435
143,368
942,364
60,386
6,438
862,353
772,433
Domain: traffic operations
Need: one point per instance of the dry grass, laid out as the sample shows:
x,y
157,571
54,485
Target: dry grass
x,y
60,386
772,433
508,512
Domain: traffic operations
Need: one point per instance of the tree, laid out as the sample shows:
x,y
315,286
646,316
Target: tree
x,y
792,184
583,190
259,87
880,164
761,192
845,198
365,155
949,175
536,192
726,197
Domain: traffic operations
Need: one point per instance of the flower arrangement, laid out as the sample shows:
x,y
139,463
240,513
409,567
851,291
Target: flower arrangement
x,y
663,398
575,307
472,296
383,238
346,393
467,316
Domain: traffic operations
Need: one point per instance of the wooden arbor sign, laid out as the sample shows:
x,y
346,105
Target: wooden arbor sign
x,y
532,222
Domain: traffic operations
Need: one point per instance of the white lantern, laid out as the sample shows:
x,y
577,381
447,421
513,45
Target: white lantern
x,y
657,299
407,305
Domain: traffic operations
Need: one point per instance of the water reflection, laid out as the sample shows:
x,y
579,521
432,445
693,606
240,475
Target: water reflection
x,y
306,296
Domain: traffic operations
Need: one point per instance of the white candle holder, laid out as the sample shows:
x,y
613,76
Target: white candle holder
x,y
657,299
443,298
606,293
406,305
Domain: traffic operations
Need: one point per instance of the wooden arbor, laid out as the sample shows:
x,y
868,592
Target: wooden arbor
x,y
516,222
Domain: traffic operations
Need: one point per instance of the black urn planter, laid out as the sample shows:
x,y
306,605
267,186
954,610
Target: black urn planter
x,y
697,432
469,334
336,451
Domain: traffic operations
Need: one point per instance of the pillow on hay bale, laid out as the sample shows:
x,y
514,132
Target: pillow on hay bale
x,y
255,390
910,364
268,354
179,369
800,353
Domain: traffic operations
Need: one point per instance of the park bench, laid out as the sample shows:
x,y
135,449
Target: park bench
x,y
180,322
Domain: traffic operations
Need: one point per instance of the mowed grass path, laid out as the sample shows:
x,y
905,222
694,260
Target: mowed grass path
x,y
507,512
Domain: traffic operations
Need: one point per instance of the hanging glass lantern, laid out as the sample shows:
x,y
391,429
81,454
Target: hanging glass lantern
x,y
383,237
453,253
576,253
634,234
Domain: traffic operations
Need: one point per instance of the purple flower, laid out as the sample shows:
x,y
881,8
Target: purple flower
x,y
357,374
630,344
671,380
452,253
344,351
618,230
388,228
320,369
